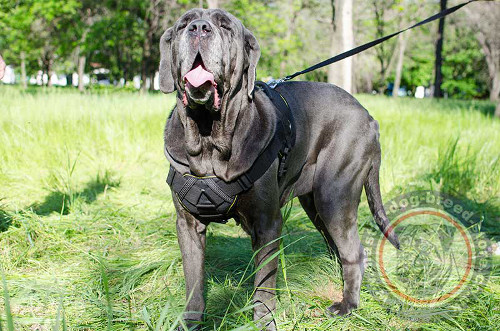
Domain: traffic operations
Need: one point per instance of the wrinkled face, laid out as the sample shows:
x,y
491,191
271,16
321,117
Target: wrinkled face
x,y
206,54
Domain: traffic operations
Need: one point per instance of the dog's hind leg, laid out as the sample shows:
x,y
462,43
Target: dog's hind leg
x,y
337,189
307,202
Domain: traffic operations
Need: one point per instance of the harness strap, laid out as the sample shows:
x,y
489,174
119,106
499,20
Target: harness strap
x,y
211,183
190,181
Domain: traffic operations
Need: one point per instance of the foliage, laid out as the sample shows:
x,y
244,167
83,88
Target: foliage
x,y
38,28
123,36
112,43
464,63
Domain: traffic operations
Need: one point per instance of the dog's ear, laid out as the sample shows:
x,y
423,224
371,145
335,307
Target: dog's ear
x,y
167,84
253,52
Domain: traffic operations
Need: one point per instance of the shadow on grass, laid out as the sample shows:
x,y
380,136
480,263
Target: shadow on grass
x,y
484,107
486,214
457,174
229,267
5,220
60,201
228,256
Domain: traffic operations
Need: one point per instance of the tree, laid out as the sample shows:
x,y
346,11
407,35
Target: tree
x,y
89,12
212,4
114,41
385,16
342,40
484,18
16,41
49,27
438,78
410,14
465,72
156,9
35,33
399,66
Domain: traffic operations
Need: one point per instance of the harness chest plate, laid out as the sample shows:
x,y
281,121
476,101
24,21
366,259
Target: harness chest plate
x,y
208,198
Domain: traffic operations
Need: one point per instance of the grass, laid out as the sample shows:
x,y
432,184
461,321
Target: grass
x,y
87,233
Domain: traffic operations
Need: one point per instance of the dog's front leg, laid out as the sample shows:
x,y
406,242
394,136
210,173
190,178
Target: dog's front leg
x,y
191,235
267,230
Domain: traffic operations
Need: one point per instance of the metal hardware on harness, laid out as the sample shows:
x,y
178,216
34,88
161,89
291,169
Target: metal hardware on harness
x,y
273,82
210,198
282,166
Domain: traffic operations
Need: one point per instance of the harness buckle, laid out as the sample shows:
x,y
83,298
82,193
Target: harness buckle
x,y
171,175
282,168
244,182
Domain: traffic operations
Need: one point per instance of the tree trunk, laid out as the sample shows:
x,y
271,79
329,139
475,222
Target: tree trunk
x,y
492,55
24,81
146,58
385,72
289,32
399,66
343,39
495,87
82,58
144,75
81,72
438,79
49,73
152,81
153,21
212,4
497,111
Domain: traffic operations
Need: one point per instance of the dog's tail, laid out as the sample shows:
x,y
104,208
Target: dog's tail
x,y
372,189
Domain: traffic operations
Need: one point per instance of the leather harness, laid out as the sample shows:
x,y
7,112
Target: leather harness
x,y
210,198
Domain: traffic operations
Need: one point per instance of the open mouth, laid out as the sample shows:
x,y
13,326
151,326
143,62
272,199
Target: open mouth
x,y
199,82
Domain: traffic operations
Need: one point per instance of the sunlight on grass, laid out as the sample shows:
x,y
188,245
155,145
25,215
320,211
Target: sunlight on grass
x,y
87,231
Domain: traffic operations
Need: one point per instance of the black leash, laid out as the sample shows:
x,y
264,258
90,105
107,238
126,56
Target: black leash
x,y
364,47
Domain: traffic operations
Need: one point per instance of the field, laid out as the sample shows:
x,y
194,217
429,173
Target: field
x,y
87,226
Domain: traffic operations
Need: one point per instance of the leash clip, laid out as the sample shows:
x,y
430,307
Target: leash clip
x,y
274,82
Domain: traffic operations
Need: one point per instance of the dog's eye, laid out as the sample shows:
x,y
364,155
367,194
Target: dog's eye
x,y
225,26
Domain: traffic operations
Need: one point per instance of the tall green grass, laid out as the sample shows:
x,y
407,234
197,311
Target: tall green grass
x,y
87,233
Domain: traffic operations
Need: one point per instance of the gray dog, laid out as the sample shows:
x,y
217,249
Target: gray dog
x,y
220,126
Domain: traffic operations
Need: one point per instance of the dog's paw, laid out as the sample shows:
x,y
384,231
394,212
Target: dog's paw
x,y
266,324
269,326
341,308
191,326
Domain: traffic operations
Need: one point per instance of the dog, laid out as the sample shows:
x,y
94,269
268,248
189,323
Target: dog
x,y
221,124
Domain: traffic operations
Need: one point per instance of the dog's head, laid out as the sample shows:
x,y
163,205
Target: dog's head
x,y
207,56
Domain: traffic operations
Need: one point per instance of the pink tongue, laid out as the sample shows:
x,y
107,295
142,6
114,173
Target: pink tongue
x,y
199,76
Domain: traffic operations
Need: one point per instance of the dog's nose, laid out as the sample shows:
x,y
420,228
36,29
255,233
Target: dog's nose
x,y
200,28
